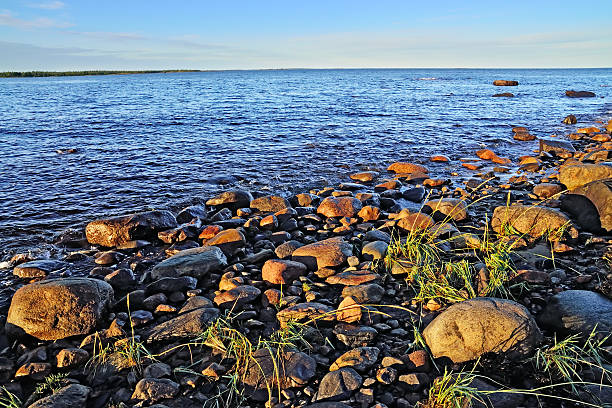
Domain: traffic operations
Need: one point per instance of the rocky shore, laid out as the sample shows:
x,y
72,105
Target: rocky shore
x,y
393,289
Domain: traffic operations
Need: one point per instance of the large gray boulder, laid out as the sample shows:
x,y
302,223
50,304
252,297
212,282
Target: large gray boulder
x,y
578,311
59,308
115,231
196,262
469,329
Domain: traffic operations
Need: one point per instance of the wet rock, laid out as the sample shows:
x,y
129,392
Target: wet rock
x,y
188,214
504,95
591,205
449,208
306,311
115,231
467,330
364,176
269,204
70,396
361,359
183,326
532,220
576,175
415,194
237,297
369,213
327,253
282,272
121,278
155,389
486,154
570,120
269,368
196,262
59,308
232,199
229,241
523,136
339,207
578,311
39,268
579,94
368,293
503,82
407,168
338,385
560,148
439,158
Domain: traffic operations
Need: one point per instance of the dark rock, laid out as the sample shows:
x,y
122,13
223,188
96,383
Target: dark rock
x,y
339,385
233,199
155,389
561,148
591,205
579,94
237,297
570,120
180,284
119,230
39,268
504,95
183,326
186,215
196,262
70,396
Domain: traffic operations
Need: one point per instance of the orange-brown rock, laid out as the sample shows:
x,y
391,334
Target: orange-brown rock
x,y
601,138
349,311
471,166
282,272
502,82
339,207
388,185
590,129
434,182
210,231
364,176
528,160
439,158
229,241
524,136
547,190
352,278
486,154
369,213
407,168
115,231
520,129
415,221
327,253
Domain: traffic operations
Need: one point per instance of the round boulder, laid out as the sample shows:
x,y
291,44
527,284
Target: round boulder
x,y
339,207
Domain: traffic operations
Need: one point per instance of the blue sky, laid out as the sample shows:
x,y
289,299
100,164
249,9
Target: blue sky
x,y
134,34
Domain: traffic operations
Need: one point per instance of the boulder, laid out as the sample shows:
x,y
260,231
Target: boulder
x,y
502,82
59,308
407,168
576,175
469,329
561,148
570,120
115,231
578,311
524,136
591,205
187,214
269,204
232,199
196,262
282,272
327,253
532,220
339,207
229,241
70,396
579,94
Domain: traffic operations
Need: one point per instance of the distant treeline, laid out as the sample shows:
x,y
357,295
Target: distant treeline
x,y
79,73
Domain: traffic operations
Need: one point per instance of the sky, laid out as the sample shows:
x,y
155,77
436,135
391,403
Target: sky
x,y
57,35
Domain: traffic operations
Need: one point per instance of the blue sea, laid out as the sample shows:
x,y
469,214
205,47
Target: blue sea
x,y
167,140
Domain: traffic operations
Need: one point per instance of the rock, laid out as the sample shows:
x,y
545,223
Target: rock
x,y
524,136
561,148
339,207
578,311
576,175
532,220
170,285
115,231
495,399
486,154
327,253
352,278
186,215
591,205
367,293
579,94
269,204
229,241
338,385
468,329
349,311
439,158
59,308
121,278
282,272
274,369
377,235
415,222
196,262
196,302
155,389
369,213
414,194
36,371
547,190
355,336
502,82
450,208
233,199
286,249
71,357
364,176
361,359
237,297
407,168
374,250
504,95
305,311
184,325
39,268
70,396
570,120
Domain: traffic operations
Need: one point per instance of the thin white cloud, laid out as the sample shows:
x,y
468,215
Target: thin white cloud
x,y
49,5
8,19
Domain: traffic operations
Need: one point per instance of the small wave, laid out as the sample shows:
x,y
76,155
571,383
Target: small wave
x,y
427,79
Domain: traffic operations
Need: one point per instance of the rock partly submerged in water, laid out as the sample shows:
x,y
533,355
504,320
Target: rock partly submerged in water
x,y
115,231
503,82
579,94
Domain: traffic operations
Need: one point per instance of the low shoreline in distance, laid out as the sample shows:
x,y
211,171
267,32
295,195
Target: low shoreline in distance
x,y
30,74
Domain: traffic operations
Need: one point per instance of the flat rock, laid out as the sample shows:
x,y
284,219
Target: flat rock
x,y
338,385
547,190
269,204
407,168
327,253
576,175
115,231
364,176
532,220
339,207
503,82
360,358
70,396
196,262
59,308
282,272
471,328
580,94
577,311
237,297
352,278
184,325
229,241
39,268
305,311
